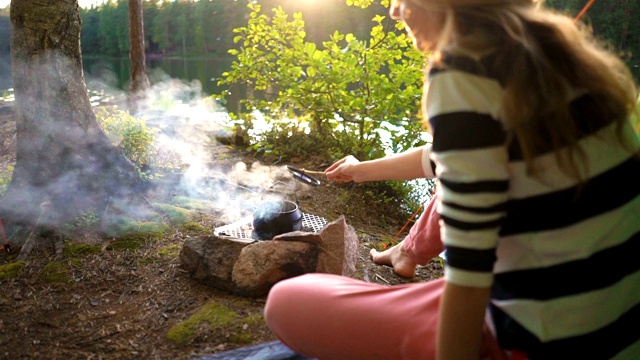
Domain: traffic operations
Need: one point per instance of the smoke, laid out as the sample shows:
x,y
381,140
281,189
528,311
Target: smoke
x,y
188,123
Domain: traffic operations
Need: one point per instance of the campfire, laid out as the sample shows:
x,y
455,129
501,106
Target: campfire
x,y
273,240
242,229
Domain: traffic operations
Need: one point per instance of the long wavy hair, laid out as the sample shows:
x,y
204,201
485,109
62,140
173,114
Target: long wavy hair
x,y
546,57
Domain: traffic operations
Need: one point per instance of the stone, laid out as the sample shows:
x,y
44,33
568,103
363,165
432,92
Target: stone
x,y
262,264
338,246
252,268
210,260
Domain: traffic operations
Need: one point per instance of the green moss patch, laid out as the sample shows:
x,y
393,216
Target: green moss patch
x,y
215,315
73,250
129,242
133,235
10,270
176,215
146,261
193,204
193,227
55,272
170,250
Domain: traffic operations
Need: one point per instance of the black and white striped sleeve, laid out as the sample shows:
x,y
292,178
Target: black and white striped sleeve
x,y
472,167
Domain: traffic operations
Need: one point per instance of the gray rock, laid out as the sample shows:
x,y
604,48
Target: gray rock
x,y
338,244
251,269
262,264
210,260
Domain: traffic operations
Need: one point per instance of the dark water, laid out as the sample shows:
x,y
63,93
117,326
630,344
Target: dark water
x,y
202,74
115,72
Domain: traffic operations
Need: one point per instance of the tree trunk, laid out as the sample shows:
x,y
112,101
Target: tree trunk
x,y
139,80
63,158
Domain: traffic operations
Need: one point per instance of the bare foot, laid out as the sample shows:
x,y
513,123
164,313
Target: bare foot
x,y
397,258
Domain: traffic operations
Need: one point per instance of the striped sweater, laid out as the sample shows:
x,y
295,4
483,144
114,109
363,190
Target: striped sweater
x,y
563,264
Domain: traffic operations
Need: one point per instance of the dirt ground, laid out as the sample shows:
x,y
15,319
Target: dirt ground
x,y
121,303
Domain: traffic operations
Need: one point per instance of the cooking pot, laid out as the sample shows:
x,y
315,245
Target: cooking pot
x,y
276,217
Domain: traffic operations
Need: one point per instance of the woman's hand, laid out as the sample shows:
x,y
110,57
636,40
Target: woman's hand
x,y
343,170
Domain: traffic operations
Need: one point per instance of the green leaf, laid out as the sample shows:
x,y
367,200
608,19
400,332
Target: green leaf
x,y
310,48
311,72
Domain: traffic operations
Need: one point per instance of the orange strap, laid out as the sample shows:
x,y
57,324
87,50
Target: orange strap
x,y
407,223
583,11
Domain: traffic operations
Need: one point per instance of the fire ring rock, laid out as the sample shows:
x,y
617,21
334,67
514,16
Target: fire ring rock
x,y
210,259
251,269
262,264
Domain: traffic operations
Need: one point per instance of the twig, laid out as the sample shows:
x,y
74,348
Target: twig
x,y
383,279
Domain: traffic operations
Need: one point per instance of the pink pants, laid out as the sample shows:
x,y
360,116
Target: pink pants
x,y
334,317
423,242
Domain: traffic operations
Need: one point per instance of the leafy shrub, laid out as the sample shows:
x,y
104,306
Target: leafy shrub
x,y
333,100
131,135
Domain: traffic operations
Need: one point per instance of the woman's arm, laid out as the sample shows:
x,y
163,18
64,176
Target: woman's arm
x,y
407,165
462,313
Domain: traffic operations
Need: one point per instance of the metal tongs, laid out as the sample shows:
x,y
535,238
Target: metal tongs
x,y
303,175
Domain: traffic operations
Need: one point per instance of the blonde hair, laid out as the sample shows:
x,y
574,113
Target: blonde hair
x,y
546,56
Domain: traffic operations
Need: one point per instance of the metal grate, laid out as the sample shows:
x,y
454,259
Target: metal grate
x,y
242,228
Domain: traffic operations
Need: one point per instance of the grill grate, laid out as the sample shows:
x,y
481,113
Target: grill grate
x,y
242,228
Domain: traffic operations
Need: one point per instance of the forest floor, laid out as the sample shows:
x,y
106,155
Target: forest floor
x,y
140,303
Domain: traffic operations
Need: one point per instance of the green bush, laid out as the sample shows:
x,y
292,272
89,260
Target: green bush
x,y
340,98
131,135
345,96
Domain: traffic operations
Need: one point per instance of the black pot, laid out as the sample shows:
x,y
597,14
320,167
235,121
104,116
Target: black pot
x,y
273,218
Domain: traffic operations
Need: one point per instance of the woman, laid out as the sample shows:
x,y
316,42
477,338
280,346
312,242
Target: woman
x,y
538,197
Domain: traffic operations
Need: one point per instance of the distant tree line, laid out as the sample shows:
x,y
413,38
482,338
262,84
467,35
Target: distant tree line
x,y
199,28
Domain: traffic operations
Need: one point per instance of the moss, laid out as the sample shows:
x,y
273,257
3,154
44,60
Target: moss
x,y
244,337
255,319
146,261
55,272
117,226
176,215
193,227
153,230
75,262
130,242
132,235
215,315
10,270
170,250
73,250
192,204
247,333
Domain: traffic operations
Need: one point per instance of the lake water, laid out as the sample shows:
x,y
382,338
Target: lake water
x,y
116,72
200,74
